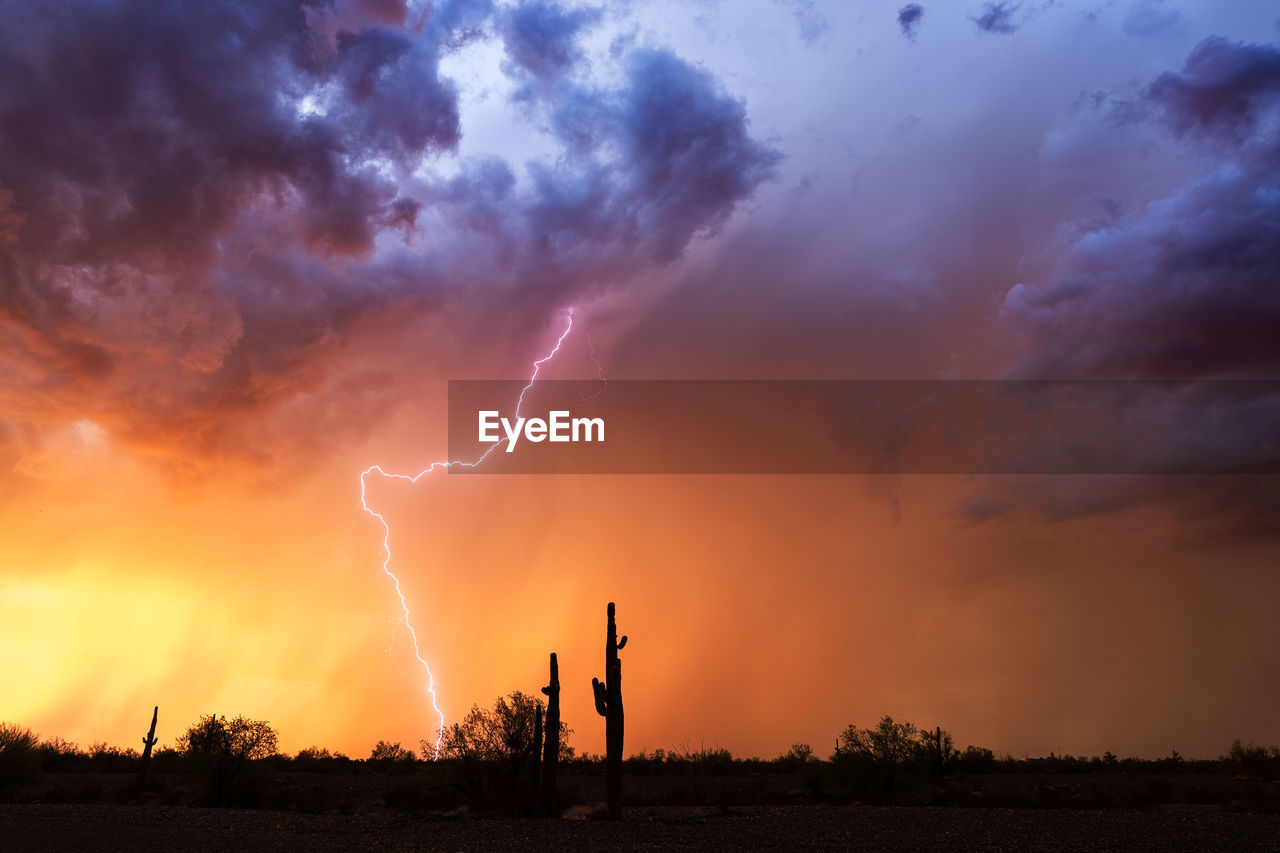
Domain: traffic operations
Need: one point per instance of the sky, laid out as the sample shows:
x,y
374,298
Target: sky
x,y
243,247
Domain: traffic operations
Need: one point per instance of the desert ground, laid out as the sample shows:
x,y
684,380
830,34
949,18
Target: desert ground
x,y
75,827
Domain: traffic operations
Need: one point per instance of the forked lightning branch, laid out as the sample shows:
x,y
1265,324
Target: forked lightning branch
x,y
558,426
406,616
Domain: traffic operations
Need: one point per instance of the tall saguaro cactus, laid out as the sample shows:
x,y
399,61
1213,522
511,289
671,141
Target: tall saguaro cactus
x,y
551,736
148,742
609,706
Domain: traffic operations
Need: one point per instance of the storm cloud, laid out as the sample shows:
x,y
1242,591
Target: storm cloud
x,y
542,38
1181,286
1185,286
909,18
200,205
997,18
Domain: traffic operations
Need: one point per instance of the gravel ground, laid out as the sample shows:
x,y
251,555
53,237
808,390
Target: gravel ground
x,y
862,828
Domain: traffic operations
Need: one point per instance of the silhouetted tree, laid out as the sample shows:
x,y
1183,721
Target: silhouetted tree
x,y
977,759
882,752
889,743
386,755
799,755
1254,760
221,749
19,760
503,734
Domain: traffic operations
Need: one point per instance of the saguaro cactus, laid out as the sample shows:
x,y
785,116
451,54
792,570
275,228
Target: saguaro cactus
x,y
147,742
551,736
609,706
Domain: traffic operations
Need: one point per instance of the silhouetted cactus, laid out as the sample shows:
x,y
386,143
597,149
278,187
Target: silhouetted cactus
x,y
147,742
609,705
942,752
551,737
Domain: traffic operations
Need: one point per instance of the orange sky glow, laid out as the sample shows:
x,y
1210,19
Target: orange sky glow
x,y
762,611
244,246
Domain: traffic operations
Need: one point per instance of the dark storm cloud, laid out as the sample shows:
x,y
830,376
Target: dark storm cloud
x,y
689,151
193,195
136,138
1178,286
997,18
1225,87
542,37
661,159
909,18
1186,286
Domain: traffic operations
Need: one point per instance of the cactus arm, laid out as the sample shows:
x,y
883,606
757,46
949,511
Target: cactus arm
x,y
602,702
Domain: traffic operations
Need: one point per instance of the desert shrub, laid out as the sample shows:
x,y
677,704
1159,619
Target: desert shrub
x,y
111,759
166,759
703,761
643,764
19,759
502,734
390,756
892,761
315,759
889,744
221,751
1251,760
495,750
976,759
58,754
795,759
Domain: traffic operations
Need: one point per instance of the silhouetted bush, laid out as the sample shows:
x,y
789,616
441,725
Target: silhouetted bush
x,y
57,754
888,762
390,756
975,759
795,759
19,760
889,744
221,752
1260,761
315,759
494,749
166,759
112,759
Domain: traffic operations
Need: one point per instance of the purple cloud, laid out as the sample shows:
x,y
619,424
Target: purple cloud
x,y
909,18
1185,286
997,18
542,37
201,204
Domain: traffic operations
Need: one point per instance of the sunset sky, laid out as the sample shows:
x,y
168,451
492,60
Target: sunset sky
x,y
244,246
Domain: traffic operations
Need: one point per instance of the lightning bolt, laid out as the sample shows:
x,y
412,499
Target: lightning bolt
x,y
406,616
604,383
